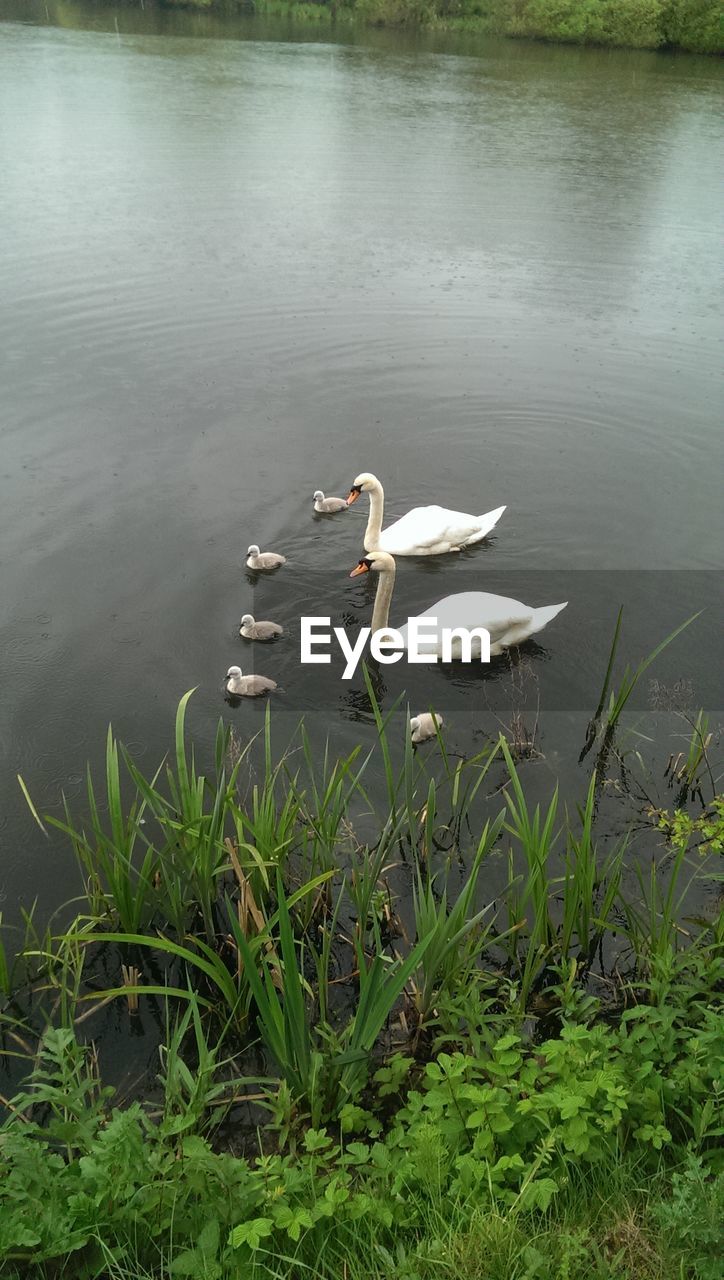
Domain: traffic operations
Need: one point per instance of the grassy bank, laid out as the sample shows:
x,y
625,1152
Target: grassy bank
x,y
693,25
591,1157
370,1064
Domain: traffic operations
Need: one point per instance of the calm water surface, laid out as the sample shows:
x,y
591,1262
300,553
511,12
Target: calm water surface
x,y
239,264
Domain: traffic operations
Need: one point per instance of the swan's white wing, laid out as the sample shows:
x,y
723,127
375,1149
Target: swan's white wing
x,y
469,609
428,527
480,609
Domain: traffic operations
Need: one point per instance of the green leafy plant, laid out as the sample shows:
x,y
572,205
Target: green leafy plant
x,y
693,1217
704,833
284,1020
455,932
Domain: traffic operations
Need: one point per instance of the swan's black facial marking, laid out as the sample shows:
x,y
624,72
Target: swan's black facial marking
x,y
364,566
354,494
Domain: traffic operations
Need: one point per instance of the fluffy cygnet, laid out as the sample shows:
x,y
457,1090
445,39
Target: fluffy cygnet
x,y
422,726
325,505
257,559
247,686
250,629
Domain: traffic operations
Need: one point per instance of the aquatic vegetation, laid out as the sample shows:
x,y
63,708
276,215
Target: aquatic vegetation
x,y
704,833
472,1068
324,1066
612,702
688,770
455,933
194,881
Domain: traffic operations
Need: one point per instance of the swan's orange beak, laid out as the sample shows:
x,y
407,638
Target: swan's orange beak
x,y
352,496
359,568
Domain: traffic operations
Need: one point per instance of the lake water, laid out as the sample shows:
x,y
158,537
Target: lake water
x,y
243,260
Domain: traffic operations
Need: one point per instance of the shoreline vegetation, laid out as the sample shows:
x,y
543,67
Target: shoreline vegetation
x,y
443,1031
691,26
694,26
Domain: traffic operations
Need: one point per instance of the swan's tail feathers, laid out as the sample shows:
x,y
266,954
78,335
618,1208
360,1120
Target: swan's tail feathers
x,y
488,521
541,617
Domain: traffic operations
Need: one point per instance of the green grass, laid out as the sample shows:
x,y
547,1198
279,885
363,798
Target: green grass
x,y
524,1084
551,1160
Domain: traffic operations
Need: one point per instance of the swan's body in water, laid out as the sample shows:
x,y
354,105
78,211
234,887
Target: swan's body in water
x,y
250,629
423,725
507,621
326,505
257,559
247,686
424,531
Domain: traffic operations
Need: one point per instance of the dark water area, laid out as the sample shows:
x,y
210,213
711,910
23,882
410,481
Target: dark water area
x,y
243,260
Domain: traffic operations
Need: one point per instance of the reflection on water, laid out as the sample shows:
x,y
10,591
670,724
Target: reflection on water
x,y
239,266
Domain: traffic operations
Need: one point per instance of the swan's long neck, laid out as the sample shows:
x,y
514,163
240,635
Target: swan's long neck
x,y
383,599
374,523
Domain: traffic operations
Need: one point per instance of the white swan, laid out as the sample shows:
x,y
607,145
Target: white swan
x,y
424,531
257,559
324,506
247,686
507,621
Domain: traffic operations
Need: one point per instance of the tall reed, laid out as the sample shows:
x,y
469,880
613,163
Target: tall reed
x,y
615,700
455,932
323,1083
590,889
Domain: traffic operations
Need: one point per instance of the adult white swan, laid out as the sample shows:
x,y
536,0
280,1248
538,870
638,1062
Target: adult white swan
x,y
424,531
507,621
